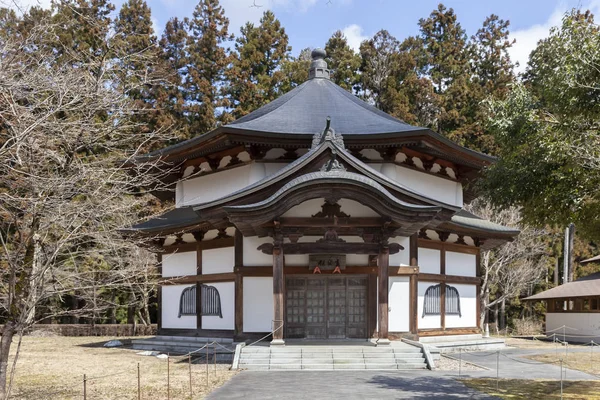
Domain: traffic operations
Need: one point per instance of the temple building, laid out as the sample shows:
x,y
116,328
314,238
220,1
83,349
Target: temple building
x,y
318,216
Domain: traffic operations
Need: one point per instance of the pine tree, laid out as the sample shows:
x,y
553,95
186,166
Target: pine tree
x,y
256,75
342,60
207,61
295,70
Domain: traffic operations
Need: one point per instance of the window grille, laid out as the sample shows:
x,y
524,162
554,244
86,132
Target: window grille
x,y
432,302
210,301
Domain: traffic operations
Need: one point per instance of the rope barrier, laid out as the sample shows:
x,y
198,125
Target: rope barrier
x,y
267,335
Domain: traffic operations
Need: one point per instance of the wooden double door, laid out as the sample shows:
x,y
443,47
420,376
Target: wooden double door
x,y
326,307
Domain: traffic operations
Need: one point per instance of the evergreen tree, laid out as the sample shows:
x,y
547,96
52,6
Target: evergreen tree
x,y
295,70
207,60
256,75
342,60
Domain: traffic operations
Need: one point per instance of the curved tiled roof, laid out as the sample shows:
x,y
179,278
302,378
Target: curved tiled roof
x,y
469,220
303,110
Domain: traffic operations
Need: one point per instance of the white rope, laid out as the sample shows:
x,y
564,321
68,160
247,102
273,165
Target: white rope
x,y
267,335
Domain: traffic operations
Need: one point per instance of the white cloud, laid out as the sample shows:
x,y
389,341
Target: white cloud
x,y
354,34
527,39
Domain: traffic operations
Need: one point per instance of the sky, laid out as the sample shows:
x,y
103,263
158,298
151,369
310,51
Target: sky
x,y
309,23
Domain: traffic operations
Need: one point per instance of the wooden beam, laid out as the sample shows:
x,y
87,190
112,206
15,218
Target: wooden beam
x,y
331,247
278,288
204,245
414,284
198,287
449,331
314,222
472,280
400,271
456,248
159,295
372,306
191,279
383,262
239,282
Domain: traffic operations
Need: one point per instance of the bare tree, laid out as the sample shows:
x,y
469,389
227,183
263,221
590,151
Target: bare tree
x,y
66,132
508,270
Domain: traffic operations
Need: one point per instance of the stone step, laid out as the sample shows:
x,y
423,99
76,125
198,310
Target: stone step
x,y
450,338
196,339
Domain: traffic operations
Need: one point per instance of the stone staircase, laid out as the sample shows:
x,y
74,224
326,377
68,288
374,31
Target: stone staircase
x,y
399,356
183,344
455,343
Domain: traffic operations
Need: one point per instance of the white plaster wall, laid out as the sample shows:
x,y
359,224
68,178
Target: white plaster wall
x,y
437,188
212,186
253,257
461,264
305,209
428,321
272,167
218,261
179,264
227,294
170,309
360,260
398,301
429,261
258,304
583,324
296,260
468,308
403,256
356,209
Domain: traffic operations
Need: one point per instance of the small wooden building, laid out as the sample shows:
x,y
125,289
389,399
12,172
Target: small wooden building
x,y
573,310
319,216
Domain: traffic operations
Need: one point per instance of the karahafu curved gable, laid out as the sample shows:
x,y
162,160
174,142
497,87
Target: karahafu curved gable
x,y
211,301
432,301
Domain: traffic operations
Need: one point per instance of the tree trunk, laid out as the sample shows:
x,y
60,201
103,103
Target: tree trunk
x,y
503,314
496,318
5,343
112,311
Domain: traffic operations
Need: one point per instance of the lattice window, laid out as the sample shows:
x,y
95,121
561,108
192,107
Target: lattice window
x,y
452,301
211,301
432,301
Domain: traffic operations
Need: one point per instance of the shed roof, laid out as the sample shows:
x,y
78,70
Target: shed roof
x,y
582,287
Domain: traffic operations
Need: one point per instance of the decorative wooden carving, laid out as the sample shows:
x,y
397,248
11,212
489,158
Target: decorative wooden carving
x,y
256,152
331,247
294,237
234,160
330,210
179,238
331,236
214,163
461,240
199,235
423,234
428,164
443,235
290,154
222,234
389,154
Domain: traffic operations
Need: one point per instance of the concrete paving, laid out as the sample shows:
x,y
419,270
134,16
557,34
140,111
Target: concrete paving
x,y
385,385
347,385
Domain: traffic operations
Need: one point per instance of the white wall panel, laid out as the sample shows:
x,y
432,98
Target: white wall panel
x,y
356,209
179,264
227,294
427,321
254,257
258,304
468,308
403,256
429,261
170,309
461,264
360,260
218,261
213,186
583,327
399,303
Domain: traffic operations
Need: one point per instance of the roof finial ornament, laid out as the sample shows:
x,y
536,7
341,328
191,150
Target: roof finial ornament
x,y
328,134
318,66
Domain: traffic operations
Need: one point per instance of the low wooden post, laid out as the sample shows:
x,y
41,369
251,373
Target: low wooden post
x,y
207,385
84,387
168,376
139,388
190,372
383,262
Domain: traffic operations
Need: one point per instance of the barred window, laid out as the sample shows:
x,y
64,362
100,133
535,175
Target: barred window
x,y
210,301
432,301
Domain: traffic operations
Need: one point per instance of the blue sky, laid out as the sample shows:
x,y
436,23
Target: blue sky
x,y
309,23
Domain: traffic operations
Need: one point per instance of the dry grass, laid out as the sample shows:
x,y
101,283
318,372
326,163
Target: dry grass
x,y
522,343
536,389
583,361
53,368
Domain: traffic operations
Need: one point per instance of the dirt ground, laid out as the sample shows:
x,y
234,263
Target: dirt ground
x,y
53,368
536,389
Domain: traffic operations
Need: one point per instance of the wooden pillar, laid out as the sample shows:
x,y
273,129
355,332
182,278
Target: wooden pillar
x,y
443,288
414,284
383,262
239,282
278,287
159,295
198,287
